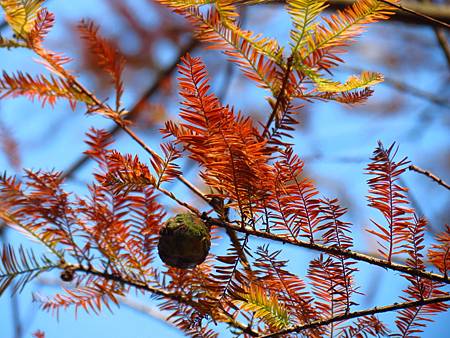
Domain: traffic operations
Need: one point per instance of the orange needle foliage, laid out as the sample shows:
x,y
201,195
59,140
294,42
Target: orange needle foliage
x,y
105,242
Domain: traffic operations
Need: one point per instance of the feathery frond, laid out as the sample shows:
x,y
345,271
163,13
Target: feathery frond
x,y
294,202
330,289
265,306
272,275
189,320
256,56
41,209
42,25
411,321
93,297
38,334
364,326
98,141
336,233
107,55
284,125
439,254
390,199
126,173
227,146
304,14
46,89
183,4
166,169
366,79
21,266
340,31
226,281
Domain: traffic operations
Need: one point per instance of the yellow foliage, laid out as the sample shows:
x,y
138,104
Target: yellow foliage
x,y
365,79
21,14
266,307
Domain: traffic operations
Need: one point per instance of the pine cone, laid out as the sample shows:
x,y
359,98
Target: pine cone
x,y
184,241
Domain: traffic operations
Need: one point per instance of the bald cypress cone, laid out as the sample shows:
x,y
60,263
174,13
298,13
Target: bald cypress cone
x,y
184,241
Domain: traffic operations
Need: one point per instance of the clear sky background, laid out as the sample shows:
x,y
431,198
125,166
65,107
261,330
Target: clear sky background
x,y
335,142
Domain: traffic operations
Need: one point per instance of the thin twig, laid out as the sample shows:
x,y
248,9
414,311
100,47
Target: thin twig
x,y
122,125
435,178
335,251
417,92
152,89
442,39
176,296
418,14
150,311
411,11
356,314
181,298
280,100
15,307
153,312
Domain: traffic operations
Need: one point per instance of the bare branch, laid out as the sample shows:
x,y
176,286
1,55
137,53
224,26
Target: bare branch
x,y
137,106
442,39
281,98
150,311
417,13
439,180
335,251
439,13
356,314
176,296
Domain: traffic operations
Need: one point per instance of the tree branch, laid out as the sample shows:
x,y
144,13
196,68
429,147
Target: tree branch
x,y
336,252
418,12
281,98
122,125
356,314
442,39
438,180
134,111
437,12
178,297
149,311
181,298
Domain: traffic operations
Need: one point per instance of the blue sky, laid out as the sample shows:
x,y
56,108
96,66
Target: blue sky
x,y
54,138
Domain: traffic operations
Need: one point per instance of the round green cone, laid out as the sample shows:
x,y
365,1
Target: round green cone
x,y
184,241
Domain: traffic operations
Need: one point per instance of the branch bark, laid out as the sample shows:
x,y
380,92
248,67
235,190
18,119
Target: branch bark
x,y
134,111
356,314
280,102
336,251
178,297
442,40
436,12
418,14
438,180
